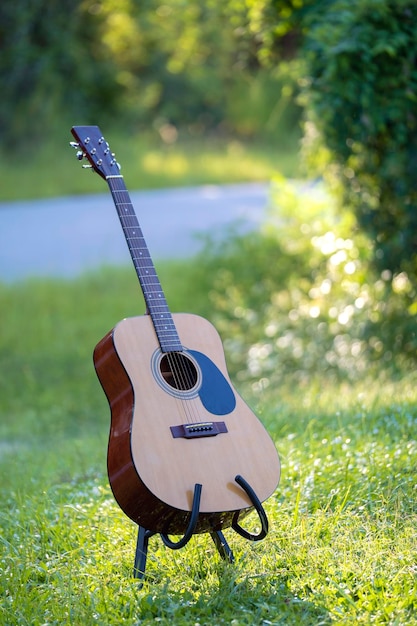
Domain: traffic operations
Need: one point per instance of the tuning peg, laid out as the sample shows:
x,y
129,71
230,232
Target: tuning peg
x,y
80,154
87,167
114,162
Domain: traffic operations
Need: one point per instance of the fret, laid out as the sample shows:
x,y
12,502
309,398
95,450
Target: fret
x,y
160,307
151,279
148,279
164,325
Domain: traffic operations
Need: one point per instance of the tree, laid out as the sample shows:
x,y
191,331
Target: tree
x,y
358,71
46,67
192,64
362,99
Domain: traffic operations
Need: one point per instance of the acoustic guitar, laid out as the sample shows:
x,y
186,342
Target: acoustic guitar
x,y
182,441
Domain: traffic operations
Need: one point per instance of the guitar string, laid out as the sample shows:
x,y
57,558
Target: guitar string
x,y
129,222
182,373
177,364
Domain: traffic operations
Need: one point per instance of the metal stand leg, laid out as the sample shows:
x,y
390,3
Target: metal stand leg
x,y
141,552
222,546
144,535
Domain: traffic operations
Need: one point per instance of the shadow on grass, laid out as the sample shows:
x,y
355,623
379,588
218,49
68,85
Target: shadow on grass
x,y
197,586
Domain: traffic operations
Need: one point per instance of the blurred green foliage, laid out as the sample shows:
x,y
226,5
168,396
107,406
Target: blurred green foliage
x,y
131,63
235,68
361,103
356,65
297,299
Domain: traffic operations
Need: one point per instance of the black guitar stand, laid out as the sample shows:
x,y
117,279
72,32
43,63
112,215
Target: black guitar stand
x,y
220,542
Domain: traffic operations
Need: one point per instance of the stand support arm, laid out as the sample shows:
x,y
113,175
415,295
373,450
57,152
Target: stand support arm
x,y
259,509
191,525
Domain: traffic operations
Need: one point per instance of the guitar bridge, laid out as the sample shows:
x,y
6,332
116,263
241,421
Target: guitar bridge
x,y
198,429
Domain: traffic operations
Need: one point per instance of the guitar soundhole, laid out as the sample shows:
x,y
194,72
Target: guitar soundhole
x,y
178,371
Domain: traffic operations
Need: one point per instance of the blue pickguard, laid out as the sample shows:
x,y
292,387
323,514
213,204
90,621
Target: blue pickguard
x,y
215,392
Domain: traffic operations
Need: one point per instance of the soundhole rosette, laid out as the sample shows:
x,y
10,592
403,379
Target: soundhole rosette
x,y
177,373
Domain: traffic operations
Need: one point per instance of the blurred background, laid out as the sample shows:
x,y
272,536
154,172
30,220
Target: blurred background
x,y
318,100
157,76
308,110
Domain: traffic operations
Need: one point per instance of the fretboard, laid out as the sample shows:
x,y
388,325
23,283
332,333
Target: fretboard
x,y
151,287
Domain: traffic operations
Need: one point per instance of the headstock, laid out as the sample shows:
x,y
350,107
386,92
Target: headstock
x,y
91,145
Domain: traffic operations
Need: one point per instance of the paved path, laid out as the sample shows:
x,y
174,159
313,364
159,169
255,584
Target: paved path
x,y
65,236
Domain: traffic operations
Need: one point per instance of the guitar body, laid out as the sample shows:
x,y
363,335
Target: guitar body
x,y
164,432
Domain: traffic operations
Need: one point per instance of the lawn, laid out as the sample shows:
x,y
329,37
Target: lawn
x,y
342,543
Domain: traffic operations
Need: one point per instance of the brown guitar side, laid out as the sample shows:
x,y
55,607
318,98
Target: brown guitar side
x,y
152,475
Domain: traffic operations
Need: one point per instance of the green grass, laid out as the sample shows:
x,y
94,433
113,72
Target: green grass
x,y
51,168
343,538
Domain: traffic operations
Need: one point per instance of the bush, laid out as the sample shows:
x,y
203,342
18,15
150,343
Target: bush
x,y
296,299
361,100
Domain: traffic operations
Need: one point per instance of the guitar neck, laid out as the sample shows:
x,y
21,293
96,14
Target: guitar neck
x,y
155,300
